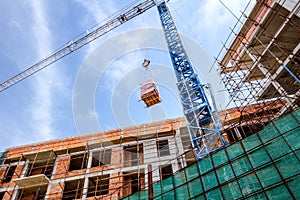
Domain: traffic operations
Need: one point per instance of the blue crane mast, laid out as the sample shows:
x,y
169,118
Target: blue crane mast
x,y
203,126
202,123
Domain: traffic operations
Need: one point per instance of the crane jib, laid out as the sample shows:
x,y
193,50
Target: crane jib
x,y
72,46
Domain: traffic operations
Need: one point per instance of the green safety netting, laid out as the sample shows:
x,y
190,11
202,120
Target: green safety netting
x,y
230,190
2,156
261,166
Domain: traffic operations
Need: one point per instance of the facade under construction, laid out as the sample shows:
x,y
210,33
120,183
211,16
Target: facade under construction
x,y
259,66
106,165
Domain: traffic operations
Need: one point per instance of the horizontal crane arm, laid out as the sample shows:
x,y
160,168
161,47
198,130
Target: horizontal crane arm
x,y
75,45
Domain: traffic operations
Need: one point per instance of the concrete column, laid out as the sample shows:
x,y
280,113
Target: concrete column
x,y
173,153
86,179
25,169
150,152
237,132
180,149
172,147
155,171
61,166
55,190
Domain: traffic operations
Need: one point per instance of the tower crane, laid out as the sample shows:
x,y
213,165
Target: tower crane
x,y
202,123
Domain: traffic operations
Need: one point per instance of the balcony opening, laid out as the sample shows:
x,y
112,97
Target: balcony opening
x,y
38,193
40,163
41,168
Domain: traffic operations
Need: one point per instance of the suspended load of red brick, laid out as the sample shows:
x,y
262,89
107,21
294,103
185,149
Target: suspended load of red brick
x,y
149,91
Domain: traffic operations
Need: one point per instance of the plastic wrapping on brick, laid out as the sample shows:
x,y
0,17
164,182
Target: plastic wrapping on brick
x,y
149,93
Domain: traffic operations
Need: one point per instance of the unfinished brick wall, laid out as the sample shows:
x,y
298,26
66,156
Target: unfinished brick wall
x,y
2,174
115,185
106,136
65,147
18,171
56,191
117,157
62,167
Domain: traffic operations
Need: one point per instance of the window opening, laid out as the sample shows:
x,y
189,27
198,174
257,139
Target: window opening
x,y
9,174
133,155
102,157
163,148
98,186
78,161
166,171
73,189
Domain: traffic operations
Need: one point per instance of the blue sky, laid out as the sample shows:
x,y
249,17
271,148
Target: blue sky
x,y
42,106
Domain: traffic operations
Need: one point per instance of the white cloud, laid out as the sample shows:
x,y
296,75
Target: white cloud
x,y
45,81
101,13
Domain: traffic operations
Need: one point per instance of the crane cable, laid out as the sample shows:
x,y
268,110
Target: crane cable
x,y
145,50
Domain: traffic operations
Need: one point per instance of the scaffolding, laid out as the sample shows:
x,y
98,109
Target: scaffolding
x,y
259,62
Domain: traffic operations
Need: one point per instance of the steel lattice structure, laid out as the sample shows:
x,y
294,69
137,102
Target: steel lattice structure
x,y
204,128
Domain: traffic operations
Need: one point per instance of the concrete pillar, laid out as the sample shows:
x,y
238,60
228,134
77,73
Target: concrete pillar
x,y
150,152
61,166
55,190
173,153
155,172
25,169
86,179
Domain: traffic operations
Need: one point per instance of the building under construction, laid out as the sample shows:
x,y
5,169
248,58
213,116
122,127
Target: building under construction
x,y
259,66
127,162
